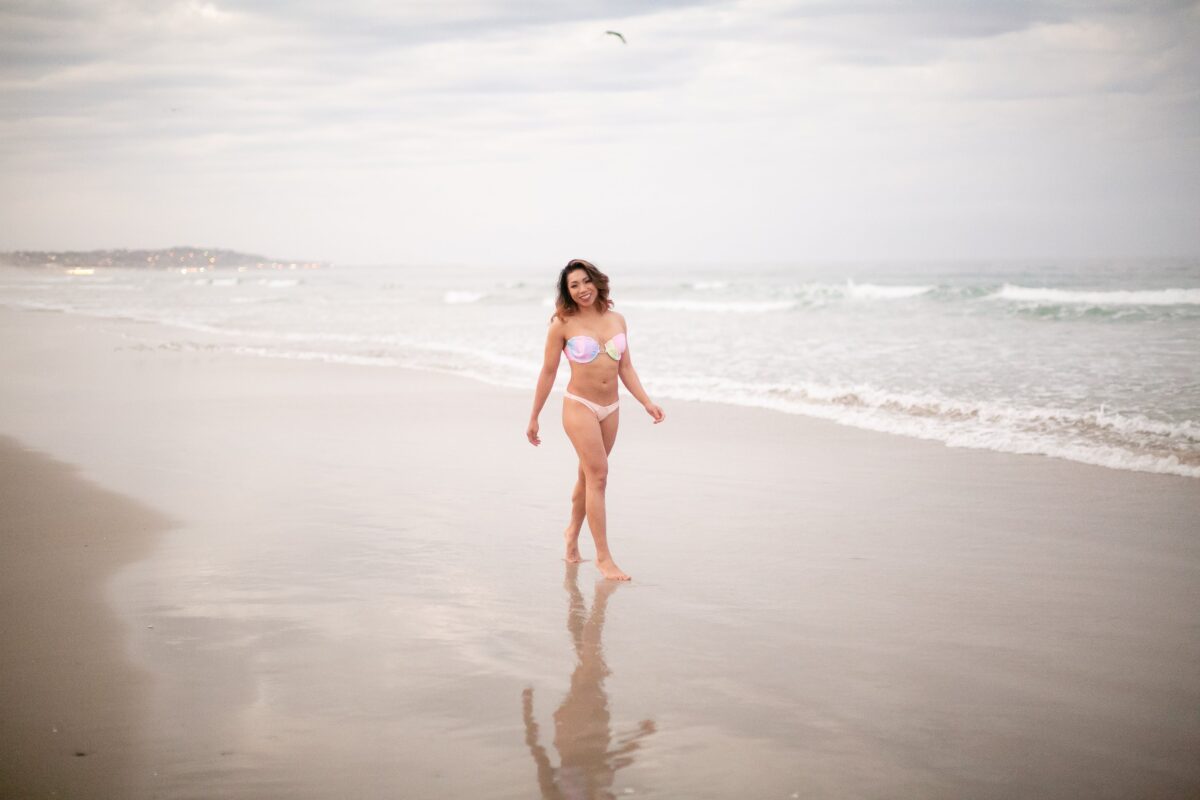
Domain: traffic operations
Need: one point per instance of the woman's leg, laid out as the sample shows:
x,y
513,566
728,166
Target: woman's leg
x,y
593,440
608,432
576,523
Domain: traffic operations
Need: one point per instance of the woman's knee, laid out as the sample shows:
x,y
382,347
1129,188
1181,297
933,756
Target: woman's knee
x,y
596,476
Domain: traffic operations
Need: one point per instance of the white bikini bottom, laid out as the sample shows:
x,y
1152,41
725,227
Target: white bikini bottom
x,y
600,411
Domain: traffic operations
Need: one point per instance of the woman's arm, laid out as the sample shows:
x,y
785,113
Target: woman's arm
x,y
633,383
545,382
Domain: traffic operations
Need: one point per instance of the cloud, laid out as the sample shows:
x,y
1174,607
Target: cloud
x,y
742,117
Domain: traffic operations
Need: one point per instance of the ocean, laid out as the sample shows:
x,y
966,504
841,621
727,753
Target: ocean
x,y
1096,362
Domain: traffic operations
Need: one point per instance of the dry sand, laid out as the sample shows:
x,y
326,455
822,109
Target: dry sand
x,y
70,699
361,594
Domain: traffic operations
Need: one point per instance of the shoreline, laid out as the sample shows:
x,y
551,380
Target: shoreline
x,y
364,567
831,411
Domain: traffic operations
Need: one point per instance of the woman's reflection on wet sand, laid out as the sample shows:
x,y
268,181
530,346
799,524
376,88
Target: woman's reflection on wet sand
x,y
588,758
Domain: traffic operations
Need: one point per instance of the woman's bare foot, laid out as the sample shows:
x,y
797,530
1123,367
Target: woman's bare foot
x,y
572,556
610,570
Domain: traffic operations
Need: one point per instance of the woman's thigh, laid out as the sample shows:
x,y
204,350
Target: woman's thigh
x,y
608,430
586,435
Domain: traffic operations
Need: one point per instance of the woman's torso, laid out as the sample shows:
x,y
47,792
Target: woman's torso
x,y
598,337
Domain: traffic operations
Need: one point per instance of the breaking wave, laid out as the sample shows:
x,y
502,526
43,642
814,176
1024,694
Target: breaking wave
x,y
1116,297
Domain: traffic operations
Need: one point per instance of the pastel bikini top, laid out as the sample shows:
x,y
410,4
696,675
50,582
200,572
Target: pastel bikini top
x,y
584,349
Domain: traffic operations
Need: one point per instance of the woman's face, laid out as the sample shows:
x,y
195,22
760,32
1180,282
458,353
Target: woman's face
x,y
581,288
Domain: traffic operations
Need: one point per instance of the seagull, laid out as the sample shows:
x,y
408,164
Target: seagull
x,y
619,36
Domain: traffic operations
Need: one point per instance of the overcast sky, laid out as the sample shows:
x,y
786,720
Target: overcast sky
x,y
519,132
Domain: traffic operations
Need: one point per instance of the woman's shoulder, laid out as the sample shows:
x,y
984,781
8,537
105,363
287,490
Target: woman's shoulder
x,y
619,317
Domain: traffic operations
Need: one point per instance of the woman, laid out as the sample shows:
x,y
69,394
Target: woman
x,y
593,338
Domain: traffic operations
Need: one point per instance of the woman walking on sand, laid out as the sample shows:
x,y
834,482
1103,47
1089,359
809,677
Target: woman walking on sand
x,y
593,337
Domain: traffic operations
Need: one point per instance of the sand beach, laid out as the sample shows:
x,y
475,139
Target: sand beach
x,y
242,577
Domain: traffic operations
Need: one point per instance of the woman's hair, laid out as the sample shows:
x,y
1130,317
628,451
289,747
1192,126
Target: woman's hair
x,y
565,305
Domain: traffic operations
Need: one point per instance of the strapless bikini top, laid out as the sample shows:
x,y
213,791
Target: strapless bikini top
x,y
584,349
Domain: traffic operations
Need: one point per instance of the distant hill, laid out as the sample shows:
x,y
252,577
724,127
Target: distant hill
x,y
187,258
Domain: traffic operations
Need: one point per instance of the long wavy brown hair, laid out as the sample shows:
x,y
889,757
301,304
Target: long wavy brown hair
x,y
565,305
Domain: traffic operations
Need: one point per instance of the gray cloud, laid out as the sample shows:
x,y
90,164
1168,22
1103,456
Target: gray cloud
x,y
747,115
369,24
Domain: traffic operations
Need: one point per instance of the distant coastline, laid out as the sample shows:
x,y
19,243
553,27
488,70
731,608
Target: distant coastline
x,y
185,259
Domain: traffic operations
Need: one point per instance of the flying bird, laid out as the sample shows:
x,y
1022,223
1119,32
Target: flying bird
x,y
619,36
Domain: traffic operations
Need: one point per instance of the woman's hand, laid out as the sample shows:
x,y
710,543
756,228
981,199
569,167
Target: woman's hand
x,y
655,412
531,433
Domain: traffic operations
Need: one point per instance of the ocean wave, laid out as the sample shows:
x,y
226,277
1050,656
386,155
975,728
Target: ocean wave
x,y
430,360
717,297
875,291
360,331
35,305
713,306
1099,437
318,355
1118,297
824,293
456,298
126,314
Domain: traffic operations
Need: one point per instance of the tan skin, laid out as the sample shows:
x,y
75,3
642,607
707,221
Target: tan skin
x,y
593,439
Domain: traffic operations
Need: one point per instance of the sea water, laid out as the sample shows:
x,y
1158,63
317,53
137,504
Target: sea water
x,y
1097,362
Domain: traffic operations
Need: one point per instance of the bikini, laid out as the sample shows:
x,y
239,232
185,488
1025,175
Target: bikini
x,y
585,350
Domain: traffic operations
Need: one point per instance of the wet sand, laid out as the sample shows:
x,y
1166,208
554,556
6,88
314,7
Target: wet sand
x,y
361,593
72,702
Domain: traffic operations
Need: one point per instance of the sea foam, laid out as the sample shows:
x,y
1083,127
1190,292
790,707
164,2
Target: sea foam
x,y
931,354
1116,297
455,298
713,306
874,291
1116,441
